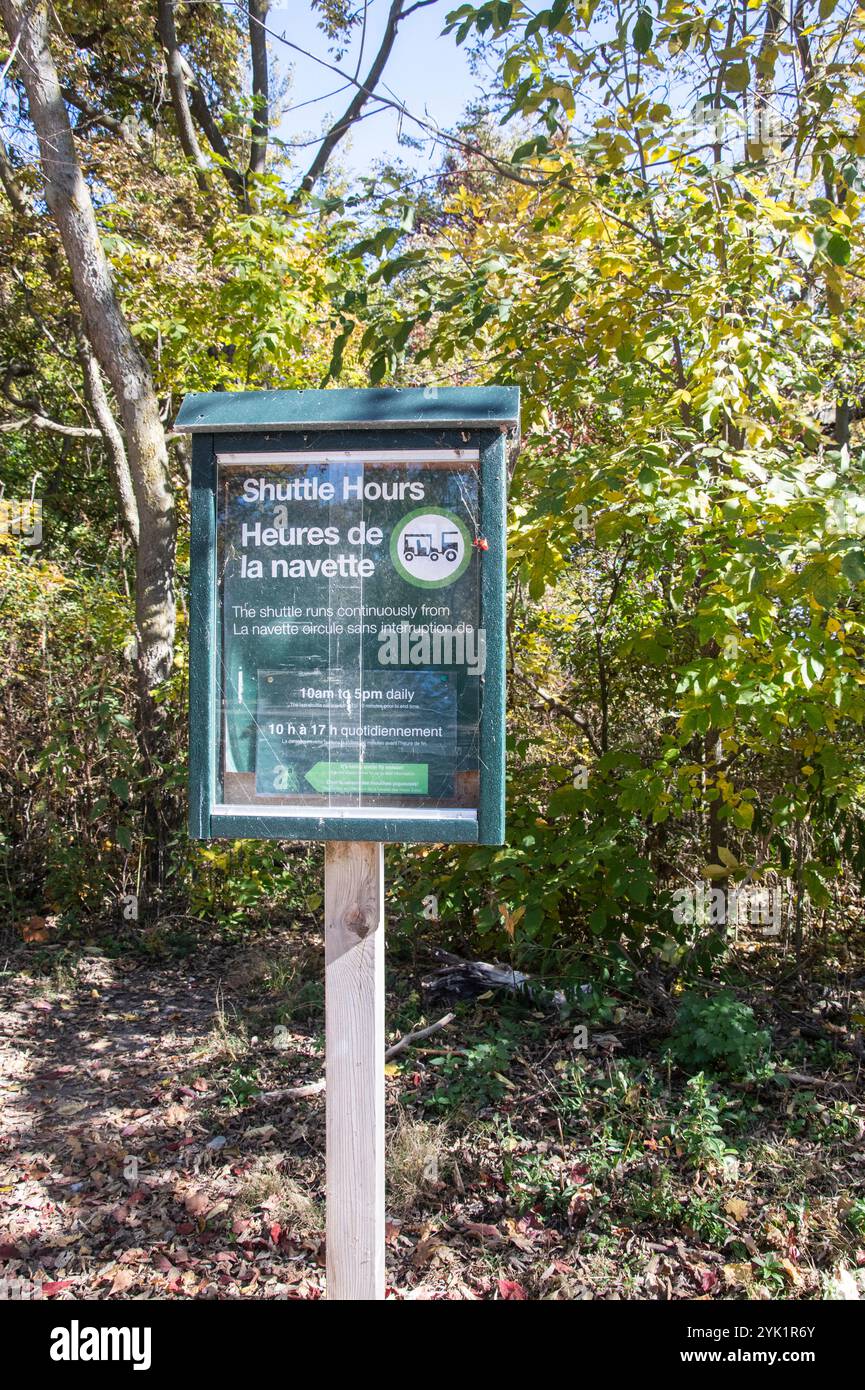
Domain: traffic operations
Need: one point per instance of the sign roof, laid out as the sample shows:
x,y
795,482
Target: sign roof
x,y
209,412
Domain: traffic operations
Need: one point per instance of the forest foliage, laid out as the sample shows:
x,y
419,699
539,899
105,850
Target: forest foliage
x,y
651,221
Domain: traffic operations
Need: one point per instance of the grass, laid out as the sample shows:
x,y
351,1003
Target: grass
x,y
416,1157
597,1171
287,1201
228,1039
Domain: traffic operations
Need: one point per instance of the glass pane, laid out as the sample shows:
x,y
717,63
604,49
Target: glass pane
x,y
351,659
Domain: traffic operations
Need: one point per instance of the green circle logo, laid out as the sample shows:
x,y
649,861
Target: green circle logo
x,y
430,548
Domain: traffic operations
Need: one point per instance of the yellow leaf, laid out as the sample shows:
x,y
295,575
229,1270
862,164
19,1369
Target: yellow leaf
x,y
715,871
790,1272
736,1208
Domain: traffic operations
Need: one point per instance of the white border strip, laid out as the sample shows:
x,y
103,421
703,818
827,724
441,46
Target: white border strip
x,y
407,813
245,460
507,424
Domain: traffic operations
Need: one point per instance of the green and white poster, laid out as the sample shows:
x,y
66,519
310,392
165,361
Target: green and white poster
x,y
352,661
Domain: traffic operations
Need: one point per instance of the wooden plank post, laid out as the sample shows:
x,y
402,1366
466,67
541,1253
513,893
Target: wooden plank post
x,y
354,1068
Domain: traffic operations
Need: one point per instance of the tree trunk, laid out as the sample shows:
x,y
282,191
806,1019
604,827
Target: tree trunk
x,y
116,351
713,752
179,96
260,85
69,202
114,446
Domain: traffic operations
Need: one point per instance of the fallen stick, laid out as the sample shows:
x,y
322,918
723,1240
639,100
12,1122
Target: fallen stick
x,y
799,1078
467,979
316,1088
417,1036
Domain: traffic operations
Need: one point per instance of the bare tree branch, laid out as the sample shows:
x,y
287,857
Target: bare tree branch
x,y
42,422
417,1035
179,96
364,91
110,431
260,86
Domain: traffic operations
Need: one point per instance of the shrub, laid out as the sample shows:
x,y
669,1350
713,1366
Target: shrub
x,y
717,1034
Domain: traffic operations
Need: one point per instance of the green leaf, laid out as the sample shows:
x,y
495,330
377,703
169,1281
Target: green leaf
x,y
838,249
539,145
853,566
598,920
643,32
737,77
743,815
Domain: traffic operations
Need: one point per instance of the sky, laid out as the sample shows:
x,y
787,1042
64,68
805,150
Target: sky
x,y
427,72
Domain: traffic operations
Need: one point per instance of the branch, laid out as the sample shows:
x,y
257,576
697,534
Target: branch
x,y
179,96
417,1035
555,704
16,41
41,422
358,101
93,116
93,385
507,171
315,1088
12,188
797,21
260,87
110,431
203,114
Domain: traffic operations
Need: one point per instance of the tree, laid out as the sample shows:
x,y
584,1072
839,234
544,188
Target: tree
x,y
107,331
678,294
144,194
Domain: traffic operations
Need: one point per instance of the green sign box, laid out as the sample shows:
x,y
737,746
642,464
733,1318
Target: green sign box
x,y
347,613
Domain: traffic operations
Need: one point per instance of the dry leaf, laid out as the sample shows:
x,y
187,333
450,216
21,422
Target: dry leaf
x,y
736,1208
738,1274
123,1280
791,1273
490,1235
509,1288
35,929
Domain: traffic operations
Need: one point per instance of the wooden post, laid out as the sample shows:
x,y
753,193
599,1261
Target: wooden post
x,y
354,1067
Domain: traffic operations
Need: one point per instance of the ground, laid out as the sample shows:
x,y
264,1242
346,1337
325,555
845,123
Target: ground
x,y
534,1152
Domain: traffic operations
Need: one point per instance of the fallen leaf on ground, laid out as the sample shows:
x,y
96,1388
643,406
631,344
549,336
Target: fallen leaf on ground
x,y
736,1208
510,1289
